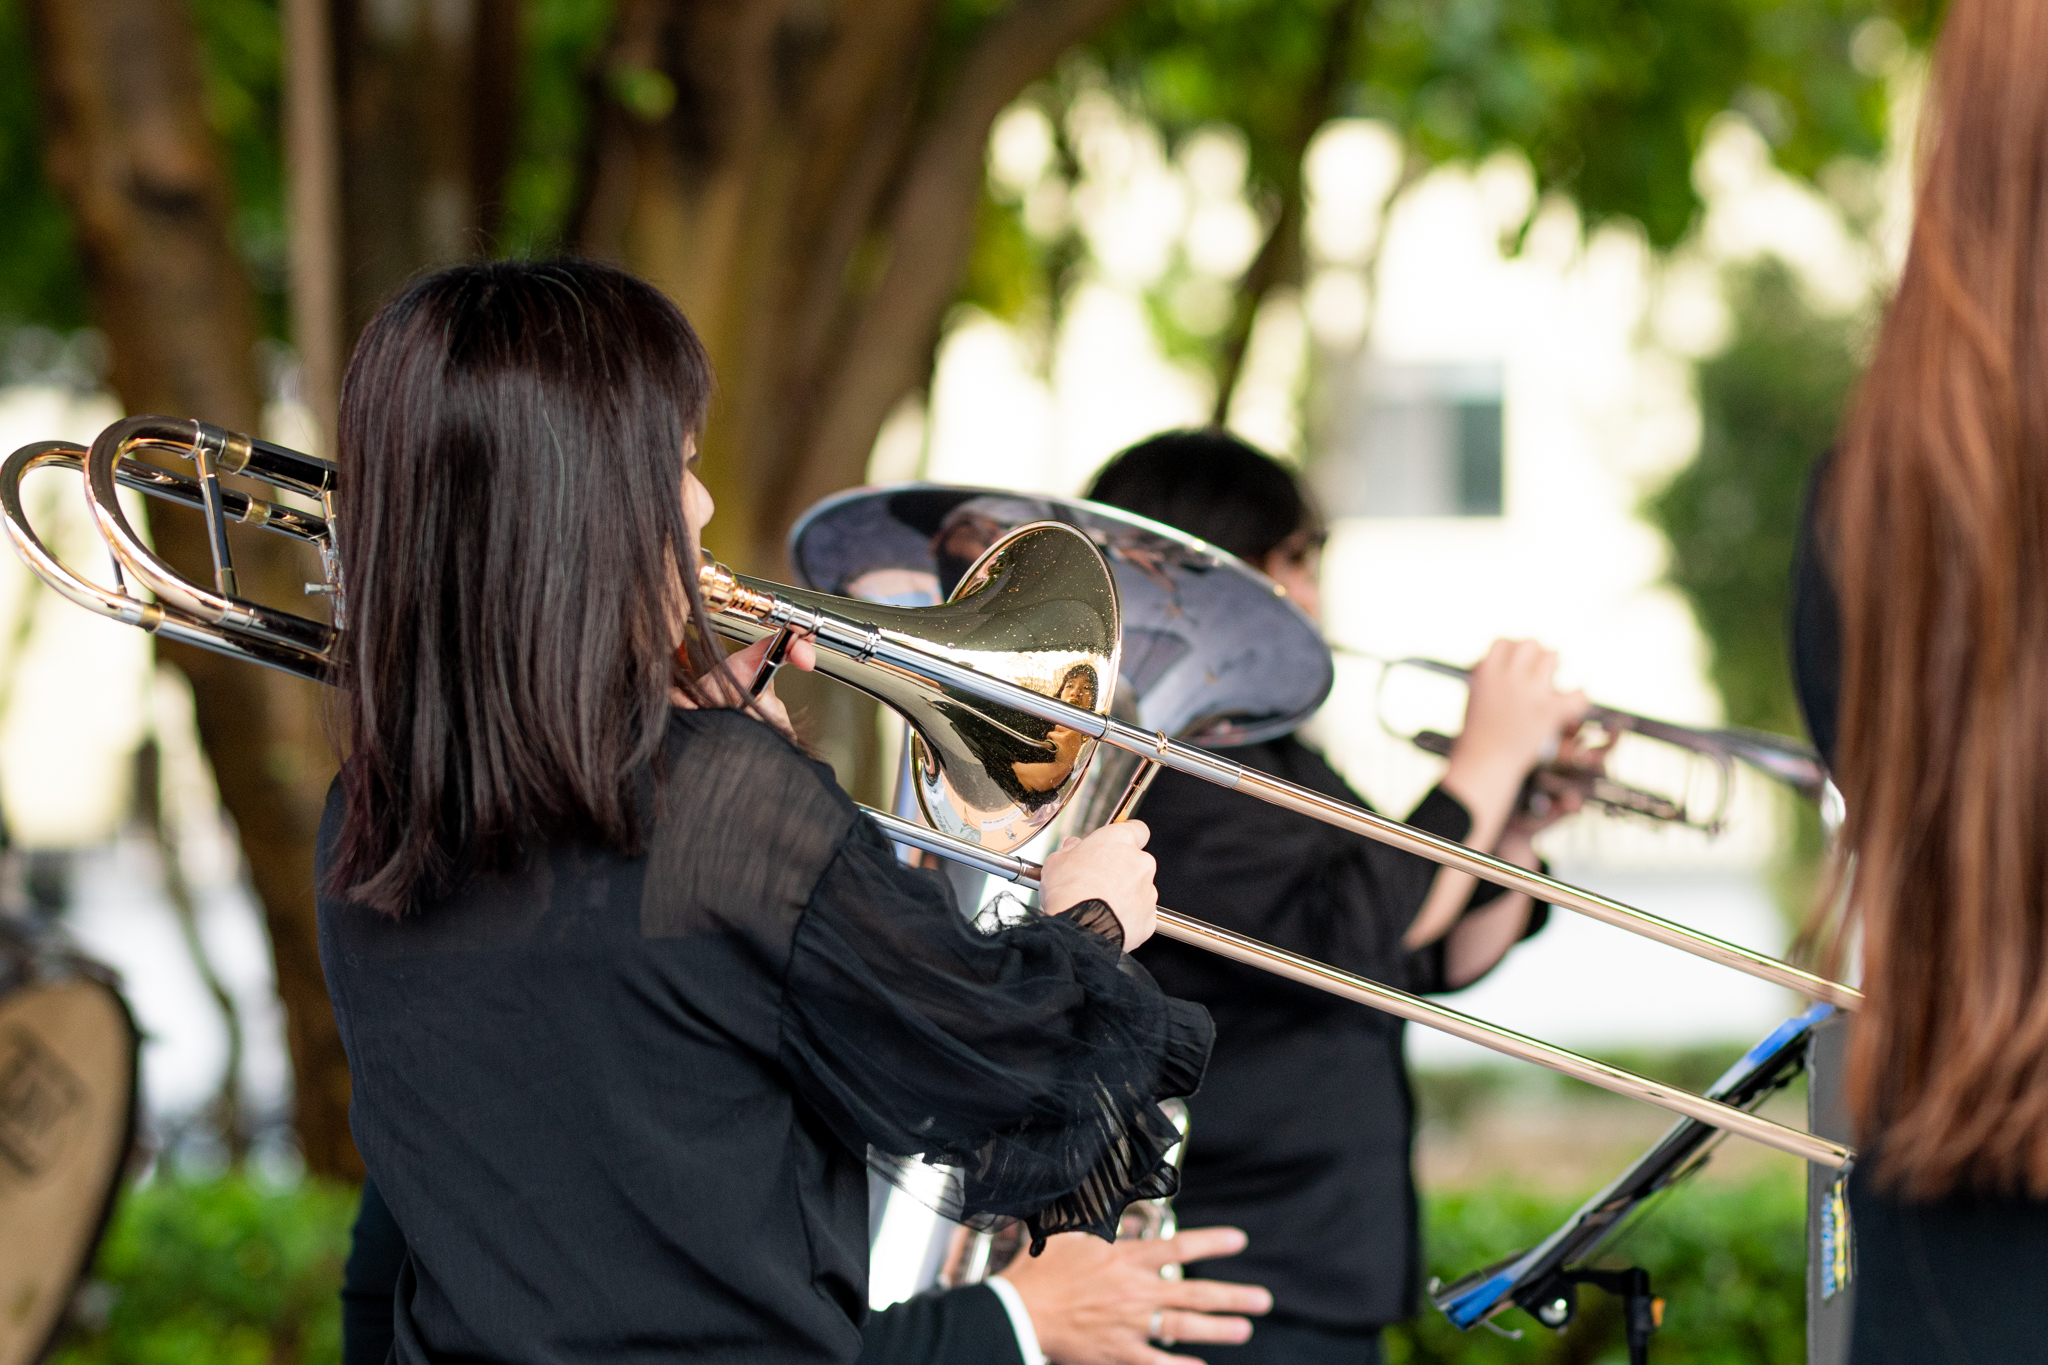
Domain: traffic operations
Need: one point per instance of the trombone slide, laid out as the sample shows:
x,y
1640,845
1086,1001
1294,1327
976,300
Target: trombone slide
x,y
1350,986
222,621
757,606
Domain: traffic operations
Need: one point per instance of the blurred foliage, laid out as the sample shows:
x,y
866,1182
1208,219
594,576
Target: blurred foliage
x,y
227,1271
1729,1259
40,278
562,42
1769,405
236,1273
41,283
1450,1097
1248,64
1558,79
1607,98
242,49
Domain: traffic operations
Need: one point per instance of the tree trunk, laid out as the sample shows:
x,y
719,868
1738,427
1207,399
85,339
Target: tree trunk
x,y
128,148
803,179
428,97
312,159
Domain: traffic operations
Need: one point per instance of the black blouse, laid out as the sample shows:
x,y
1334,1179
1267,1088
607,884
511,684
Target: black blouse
x,y
620,1104
1301,1134
965,1324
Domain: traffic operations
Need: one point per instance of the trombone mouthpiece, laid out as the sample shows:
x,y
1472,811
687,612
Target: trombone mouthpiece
x,y
723,592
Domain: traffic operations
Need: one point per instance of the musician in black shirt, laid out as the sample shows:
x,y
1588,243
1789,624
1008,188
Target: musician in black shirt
x,y
1301,1134
1082,1302
629,987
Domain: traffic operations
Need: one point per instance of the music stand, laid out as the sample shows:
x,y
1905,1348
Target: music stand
x,y
1544,1281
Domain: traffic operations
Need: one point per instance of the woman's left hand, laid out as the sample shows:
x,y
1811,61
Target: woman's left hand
x,y
730,683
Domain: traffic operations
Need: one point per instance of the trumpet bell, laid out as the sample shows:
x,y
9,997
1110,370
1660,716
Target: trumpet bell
x,y
1040,610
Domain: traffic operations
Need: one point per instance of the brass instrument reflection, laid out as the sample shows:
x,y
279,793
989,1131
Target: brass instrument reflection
x,y
1067,744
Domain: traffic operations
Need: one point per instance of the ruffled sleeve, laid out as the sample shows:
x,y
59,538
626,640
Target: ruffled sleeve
x,y
1030,1061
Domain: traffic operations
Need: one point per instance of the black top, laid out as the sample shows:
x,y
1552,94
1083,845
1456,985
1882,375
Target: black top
x,y
967,1324
1962,1280
369,1280
619,1104
1816,644
1301,1134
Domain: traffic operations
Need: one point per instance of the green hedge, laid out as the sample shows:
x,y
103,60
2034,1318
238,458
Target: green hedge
x,y
224,1272
229,1271
1729,1259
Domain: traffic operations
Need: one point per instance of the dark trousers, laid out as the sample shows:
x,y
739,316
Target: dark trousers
x,y
1292,1343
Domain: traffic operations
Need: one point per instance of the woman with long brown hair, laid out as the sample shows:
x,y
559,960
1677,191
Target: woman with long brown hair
x,y
1930,537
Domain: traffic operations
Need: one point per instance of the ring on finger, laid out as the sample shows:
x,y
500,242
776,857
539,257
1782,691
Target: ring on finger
x,y
1152,1328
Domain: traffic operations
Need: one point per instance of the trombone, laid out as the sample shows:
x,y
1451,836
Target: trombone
x,y
1007,687
1785,760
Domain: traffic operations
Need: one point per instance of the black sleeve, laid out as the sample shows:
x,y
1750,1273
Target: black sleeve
x,y
1296,883
950,1328
1443,814
369,1280
1031,1059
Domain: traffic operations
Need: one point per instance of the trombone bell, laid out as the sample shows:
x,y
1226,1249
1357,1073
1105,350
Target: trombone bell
x,y
1039,610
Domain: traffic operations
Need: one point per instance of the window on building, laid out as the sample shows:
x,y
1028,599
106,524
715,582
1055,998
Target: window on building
x,y
1417,441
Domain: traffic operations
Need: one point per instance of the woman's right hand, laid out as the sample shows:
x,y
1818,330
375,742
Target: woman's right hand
x,y
1514,719
1109,865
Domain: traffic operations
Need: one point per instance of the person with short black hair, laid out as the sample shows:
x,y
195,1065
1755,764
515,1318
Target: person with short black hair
x,y
629,987
1301,1135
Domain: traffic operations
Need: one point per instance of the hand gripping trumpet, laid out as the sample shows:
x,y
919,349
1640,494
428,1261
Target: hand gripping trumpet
x,y
1006,686
1717,751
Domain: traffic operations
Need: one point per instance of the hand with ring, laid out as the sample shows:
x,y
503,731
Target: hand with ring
x,y
1105,1303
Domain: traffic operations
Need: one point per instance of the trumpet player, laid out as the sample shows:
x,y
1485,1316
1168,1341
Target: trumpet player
x,y
1305,1122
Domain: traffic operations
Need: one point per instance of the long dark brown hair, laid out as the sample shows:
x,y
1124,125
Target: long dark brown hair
x,y
1936,512
512,535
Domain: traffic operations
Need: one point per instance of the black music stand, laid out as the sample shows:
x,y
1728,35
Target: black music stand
x,y
1544,1282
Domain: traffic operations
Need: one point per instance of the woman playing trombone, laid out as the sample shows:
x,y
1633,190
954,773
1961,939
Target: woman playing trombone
x,y
628,986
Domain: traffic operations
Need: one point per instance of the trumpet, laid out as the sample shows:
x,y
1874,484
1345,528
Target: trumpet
x,y
1006,685
1784,760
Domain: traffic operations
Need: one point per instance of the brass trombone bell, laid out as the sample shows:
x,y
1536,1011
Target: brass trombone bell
x,y
1038,610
